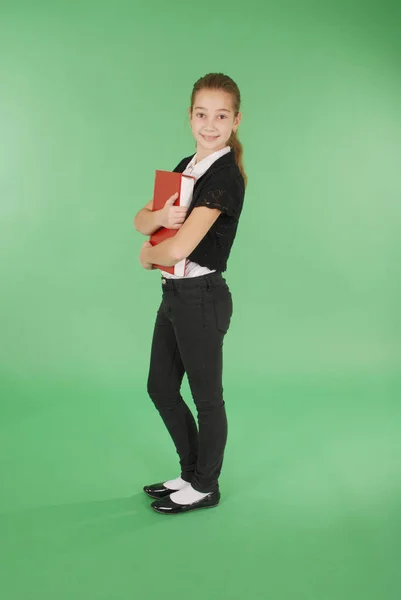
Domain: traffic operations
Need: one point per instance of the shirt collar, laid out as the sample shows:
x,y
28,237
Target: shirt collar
x,y
196,170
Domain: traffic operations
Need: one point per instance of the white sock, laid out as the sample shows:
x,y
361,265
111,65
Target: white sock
x,y
175,484
187,495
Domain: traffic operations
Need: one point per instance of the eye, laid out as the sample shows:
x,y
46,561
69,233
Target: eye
x,y
223,116
200,114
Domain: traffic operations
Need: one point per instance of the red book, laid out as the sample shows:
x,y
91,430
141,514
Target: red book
x,y
168,183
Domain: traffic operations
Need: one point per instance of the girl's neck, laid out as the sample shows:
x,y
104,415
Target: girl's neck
x,y
200,155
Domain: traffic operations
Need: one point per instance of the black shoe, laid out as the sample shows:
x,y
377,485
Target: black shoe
x,y
157,490
169,507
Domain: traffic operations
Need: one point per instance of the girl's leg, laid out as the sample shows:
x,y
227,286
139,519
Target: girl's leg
x,y
166,372
200,332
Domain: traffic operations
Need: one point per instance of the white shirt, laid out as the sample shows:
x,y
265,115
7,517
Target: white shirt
x,y
196,170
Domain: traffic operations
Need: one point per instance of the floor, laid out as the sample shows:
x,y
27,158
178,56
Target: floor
x,y
310,506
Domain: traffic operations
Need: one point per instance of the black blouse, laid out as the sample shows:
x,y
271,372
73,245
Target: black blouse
x,y
221,186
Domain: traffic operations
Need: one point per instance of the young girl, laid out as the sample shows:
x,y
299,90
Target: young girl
x,y
195,311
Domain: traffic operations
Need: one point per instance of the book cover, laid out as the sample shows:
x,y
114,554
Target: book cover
x,y
166,184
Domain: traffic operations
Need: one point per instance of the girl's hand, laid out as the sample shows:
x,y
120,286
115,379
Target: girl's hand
x,y
143,256
172,216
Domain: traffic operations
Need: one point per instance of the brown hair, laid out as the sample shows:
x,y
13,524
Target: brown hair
x,y
219,81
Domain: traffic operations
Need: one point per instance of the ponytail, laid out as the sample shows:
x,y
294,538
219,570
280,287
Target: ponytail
x,y
238,150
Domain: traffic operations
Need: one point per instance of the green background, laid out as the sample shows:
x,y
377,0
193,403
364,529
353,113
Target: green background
x,y
93,99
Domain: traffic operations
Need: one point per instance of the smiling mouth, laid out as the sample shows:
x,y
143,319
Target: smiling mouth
x,y
210,137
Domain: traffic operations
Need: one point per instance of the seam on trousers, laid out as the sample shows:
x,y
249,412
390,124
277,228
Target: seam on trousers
x,y
173,360
203,333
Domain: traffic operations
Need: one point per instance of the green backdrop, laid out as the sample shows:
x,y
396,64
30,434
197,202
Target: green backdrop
x,y
93,99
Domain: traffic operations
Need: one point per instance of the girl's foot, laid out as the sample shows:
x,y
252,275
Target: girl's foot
x,y
187,495
160,490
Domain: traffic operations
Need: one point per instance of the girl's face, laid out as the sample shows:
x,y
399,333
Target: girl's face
x,y
212,121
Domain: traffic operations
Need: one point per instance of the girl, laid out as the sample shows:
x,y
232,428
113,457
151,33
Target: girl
x,y
195,311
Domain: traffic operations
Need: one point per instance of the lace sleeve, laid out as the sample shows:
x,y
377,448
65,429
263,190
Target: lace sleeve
x,y
228,201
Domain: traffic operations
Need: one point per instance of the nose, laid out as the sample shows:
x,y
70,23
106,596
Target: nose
x,y
209,126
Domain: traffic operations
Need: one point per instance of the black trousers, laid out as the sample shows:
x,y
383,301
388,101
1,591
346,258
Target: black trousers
x,y
192,320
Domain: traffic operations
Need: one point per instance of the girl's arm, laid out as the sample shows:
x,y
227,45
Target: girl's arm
x,y
171,251
147,221
163,254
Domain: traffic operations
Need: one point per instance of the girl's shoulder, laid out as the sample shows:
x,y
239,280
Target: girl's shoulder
x,y
224,173
183,164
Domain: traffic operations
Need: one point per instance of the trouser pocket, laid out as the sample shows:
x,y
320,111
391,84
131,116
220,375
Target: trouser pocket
x,y
223,308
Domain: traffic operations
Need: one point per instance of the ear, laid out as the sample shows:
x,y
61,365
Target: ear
x,y
189,112
237,119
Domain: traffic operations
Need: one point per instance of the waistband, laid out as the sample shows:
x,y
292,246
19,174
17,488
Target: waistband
x,y
202,281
